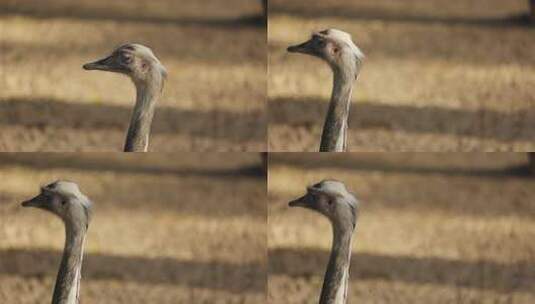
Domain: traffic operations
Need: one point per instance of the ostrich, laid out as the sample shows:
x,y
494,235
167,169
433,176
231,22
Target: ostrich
x,y
332,199
345,59
65,200
148,75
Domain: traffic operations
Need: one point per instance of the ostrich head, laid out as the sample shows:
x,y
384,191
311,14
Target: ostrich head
x,y
331,198
65,200
333,46
134,60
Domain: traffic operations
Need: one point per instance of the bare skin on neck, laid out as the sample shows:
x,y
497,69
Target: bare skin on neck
x,y
345,59
65,200
331,199
148,75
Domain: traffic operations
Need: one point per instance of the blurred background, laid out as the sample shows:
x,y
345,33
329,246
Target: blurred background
x,y
214,52
438,75
166,228
433,228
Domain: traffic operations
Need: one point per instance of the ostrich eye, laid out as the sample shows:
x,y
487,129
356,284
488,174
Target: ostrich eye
x,y
126,58
63,202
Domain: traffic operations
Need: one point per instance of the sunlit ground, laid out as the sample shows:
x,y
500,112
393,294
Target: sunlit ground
x,y
433,228
438,76
171,228
214,52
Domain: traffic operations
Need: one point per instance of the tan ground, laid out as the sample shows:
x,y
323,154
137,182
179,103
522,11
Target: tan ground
x,y
214,51
167,228
433,228
439,75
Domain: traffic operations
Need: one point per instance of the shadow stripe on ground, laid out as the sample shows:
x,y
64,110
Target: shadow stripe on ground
x,y
520,170
66,161
81,13
517,125
373,14
158,270
482,274
41,112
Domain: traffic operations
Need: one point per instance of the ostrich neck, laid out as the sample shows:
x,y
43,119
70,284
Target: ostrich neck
x,y
336,279
147,94
334,136
67,289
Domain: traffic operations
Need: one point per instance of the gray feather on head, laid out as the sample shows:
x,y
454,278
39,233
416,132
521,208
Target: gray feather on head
x,y
332,199
64,199
335,47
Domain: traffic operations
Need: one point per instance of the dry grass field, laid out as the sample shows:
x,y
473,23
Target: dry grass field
x,y
214,51
167,228
433,228
439,75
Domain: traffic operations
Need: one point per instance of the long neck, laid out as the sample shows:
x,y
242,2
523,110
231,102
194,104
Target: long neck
x,y
334,136
336,279
147,94
67,289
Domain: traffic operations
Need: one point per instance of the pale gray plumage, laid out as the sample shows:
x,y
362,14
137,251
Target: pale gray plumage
x,y
148,75
65,200
332,199
345,59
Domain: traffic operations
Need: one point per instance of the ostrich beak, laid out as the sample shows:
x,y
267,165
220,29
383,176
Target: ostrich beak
x,y
105,64
38,202
300,202
303,48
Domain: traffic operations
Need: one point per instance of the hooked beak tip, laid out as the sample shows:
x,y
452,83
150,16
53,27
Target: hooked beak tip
x,y
303,48
105,64
292,49
295,203
34,202
90,66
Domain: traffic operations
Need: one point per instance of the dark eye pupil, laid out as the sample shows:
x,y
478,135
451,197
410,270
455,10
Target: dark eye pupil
x,y
63,202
